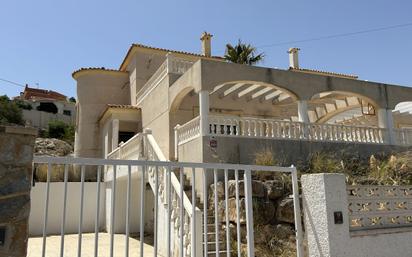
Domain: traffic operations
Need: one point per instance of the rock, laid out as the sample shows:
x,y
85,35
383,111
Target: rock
x,y
284,231
263,211
285,211
220,189
275,189
258,188
58,148
52,147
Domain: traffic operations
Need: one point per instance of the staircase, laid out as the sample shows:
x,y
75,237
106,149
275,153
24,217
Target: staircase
x,y
211,228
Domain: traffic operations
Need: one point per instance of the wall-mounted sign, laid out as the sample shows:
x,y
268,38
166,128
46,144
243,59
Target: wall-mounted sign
x,y
2,236
338,217
213,143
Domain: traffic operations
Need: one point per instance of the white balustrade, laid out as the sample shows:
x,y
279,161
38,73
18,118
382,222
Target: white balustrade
x,y
171,65
374,207
177,65
233,126
403,136
188,131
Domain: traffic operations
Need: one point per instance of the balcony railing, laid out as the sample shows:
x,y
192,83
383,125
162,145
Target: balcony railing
x,y
171,65
251,127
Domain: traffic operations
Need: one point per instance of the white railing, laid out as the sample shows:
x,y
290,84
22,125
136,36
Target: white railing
x,y
187,231
280,129
344,133
374,207
143,146
177,65
171,65
131,150
403,136
154,80
188,131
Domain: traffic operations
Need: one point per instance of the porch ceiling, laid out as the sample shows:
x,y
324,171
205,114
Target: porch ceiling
x,y
251,92
301,85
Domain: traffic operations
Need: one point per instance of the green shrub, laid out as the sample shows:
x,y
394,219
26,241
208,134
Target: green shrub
x,y
23,105
10,113
60,130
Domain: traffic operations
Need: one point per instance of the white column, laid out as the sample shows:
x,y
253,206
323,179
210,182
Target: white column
x,y
385,121
204,112
115,134
105,142
303,111
303,116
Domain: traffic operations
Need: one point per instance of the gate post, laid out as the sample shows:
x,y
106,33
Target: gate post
x,y
249,214
326,215
297,213
16,153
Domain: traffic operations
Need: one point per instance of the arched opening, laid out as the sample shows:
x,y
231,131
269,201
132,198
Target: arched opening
x,y
185,107
345,108
253,99
402,115
47,107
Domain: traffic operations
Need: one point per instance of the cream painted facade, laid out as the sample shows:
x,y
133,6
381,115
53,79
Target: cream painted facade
x,y
199,108
161,89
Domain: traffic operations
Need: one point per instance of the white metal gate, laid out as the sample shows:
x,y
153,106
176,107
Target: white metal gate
x,y
190,225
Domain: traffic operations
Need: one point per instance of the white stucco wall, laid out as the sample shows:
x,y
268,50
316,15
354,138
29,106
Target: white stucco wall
x,y
40,119
324,194
55,214
135,202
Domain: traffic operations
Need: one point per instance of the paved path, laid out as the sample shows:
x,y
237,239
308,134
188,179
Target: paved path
x,y
70,248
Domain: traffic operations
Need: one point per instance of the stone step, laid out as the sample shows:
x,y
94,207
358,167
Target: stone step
x,y
211,246
221,253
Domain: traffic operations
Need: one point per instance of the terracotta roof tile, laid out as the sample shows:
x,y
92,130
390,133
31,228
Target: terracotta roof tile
x,y
174,51
36,93
162,49
94,68
324,73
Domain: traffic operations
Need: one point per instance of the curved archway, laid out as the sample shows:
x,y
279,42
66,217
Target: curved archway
x,y
178,99
342,107
402,115
253,99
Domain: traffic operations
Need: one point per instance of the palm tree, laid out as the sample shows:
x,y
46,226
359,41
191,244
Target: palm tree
x,y
242,54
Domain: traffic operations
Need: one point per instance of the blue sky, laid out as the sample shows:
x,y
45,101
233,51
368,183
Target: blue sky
x,y
45,41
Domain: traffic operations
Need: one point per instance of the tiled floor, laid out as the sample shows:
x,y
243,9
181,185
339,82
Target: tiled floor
x,y
71,242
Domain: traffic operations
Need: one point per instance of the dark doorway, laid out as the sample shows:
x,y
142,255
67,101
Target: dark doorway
x,y
124,136
47,107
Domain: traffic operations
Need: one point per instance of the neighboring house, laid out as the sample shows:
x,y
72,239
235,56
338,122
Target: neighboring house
x,y
47,105
200,108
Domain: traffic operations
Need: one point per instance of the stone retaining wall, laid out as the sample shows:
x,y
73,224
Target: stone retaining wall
x,y
16,154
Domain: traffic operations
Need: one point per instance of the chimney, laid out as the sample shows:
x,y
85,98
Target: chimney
x,y
294,58
206,39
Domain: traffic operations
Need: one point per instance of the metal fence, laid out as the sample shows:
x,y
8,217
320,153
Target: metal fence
x,y
192,229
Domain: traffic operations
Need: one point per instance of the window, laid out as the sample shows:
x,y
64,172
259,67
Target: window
x,y
67,112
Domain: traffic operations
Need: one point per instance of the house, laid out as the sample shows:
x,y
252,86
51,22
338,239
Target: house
x,y
202,96
163,104
46,105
